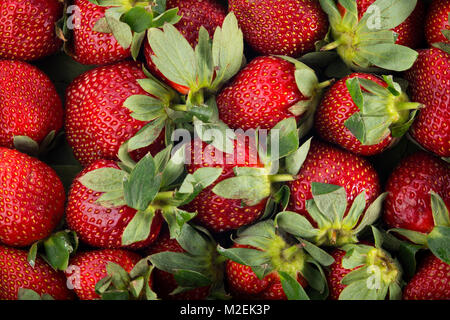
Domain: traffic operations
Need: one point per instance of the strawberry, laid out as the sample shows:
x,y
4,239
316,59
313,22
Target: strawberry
x,y
345,115
17,274
408,204
292,29
215,212
431,281
436,21
87,268
327,164
27,29
92,47
269,263
265,92
410,32
30,106
376,38
195,14
363,272
97,122
97,225
429,84
31,201
191,246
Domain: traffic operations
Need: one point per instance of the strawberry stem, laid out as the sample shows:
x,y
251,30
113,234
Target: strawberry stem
x,y
281,178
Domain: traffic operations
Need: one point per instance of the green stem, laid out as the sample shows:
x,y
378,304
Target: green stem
x,y
166,195
179,107
281,178
407,106
325,84
331,45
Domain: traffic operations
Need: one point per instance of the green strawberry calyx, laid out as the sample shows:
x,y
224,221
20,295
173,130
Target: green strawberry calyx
x,y
439,237
121,285
252,185
33,148
328,210
202,70
154,185
377,273
369,43
29,294
56,249
199,266
382,111
273,249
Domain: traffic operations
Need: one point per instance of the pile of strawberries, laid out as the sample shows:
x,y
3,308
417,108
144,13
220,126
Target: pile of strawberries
x,y
268,150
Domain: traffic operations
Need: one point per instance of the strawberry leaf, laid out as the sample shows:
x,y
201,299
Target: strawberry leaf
x,y
103,179
138,229
295,160
295,224
291,287
438,241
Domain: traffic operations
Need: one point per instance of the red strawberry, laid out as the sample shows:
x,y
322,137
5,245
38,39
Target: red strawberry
x,y
431,281
97,123
328,164
88,268
436,21
261,95
410,31
27,28
335,116
408,204
376,267
244,284
281,27
429,83
163,282
29,103
31,200
92,47
215,212
195,14
101,226
16,273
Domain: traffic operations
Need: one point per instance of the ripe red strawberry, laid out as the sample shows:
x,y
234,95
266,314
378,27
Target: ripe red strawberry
x,y
31,200
27,28
410,31
261,95
216,213
436,21
97,123
244,284
335,116
281,27
407,205
92,47
88,268
431,281
195,14
29,104
375,267
101,226
429,83
331,165
16,273
163,282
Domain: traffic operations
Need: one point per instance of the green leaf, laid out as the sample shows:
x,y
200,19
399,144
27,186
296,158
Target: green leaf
x,y
227,50
217,134
147,135
390,56
251,189
174,56
407,255
392,13
203,54
395,292
438,241
138,18
26,145
170,16
116,295
291,287
144,108
174,261
413,236
103,179
119,277
194,183
121,31
142,185
354,88
358,290
378,238
355,275
192,241
136,44
439,209
174,168
355,211
138,229
295,224
306,80
136,286
112,199
295,160
372,213
318,254
398,131
189,278
245,256
28,294
32,253
283,139
330,199
59,247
